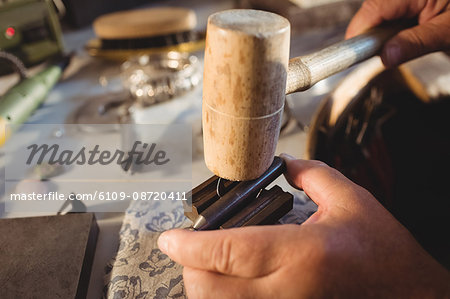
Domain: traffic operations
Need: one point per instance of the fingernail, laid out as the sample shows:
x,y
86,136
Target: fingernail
x,y
287,156
392,54
163,242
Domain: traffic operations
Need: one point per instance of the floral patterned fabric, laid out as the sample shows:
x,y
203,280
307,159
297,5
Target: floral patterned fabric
x,y
140,270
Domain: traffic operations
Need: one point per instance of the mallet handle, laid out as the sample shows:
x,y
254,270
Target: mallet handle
x,y
305,71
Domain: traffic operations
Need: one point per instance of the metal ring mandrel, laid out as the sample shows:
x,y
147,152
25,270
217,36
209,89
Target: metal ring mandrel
x,y
221,210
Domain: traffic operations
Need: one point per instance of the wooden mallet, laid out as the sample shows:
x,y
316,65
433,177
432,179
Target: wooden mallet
x,y
246,77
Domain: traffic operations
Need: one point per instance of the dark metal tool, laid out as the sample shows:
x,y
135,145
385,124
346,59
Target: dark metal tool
x,y
241,200
205,194
266,209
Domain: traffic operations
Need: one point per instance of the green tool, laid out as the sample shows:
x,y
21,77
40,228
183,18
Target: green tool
x,y
30,30
22,99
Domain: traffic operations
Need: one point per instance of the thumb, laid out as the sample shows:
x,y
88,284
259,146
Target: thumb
x,y
425,38
245,252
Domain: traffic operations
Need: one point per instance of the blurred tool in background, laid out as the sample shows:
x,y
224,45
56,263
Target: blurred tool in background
x,y
30,30
80,13
18,103
31,35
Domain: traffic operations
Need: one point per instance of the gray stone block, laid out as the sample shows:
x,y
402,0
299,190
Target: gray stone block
x,y
47,257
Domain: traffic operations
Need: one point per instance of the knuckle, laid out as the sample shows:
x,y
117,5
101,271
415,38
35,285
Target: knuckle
x,y
324,167
317,163
334,172
433,7
416,40
222,256
370,6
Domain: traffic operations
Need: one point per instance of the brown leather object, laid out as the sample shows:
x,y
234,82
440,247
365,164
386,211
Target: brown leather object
x,y
144,23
